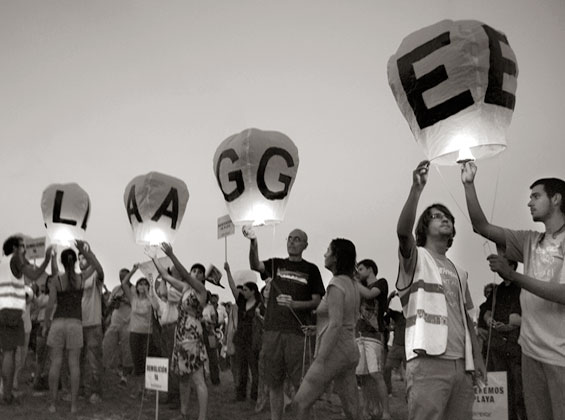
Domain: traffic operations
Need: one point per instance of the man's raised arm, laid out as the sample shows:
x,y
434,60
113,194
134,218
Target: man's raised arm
x,y
478,219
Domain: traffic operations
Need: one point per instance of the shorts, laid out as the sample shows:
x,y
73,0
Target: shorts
x,y
284,355
12,332
371,356
65,333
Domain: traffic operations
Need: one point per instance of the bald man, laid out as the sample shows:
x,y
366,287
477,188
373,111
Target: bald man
x,y
296,290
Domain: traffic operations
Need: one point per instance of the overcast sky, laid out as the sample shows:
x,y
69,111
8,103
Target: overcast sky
x,y
98,92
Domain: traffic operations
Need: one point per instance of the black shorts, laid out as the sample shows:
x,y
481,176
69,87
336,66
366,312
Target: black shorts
x,y
12,332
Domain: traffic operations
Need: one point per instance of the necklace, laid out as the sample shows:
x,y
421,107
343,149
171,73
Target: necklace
x,y
558,231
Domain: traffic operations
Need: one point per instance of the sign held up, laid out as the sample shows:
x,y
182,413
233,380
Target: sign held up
x,y
35,247
225,226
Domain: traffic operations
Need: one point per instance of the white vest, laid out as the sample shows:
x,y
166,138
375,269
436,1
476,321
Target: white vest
x,y
425,309
12,290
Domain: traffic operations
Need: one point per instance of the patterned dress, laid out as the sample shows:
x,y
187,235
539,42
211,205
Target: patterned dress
x,y
186,361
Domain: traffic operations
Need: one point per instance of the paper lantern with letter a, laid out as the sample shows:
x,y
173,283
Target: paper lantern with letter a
x,y
155,204
65,209
455,82
255,170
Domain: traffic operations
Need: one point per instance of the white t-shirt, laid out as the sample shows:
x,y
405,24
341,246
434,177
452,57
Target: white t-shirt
x,y
542,333
92,301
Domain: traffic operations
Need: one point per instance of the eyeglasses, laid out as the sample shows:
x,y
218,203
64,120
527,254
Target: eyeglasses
x,y
439,216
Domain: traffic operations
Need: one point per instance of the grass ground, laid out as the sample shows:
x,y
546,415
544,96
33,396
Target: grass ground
x,y
117,404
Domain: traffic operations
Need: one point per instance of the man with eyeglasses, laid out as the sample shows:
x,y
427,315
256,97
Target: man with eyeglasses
x,y
12,305
296,289
442,351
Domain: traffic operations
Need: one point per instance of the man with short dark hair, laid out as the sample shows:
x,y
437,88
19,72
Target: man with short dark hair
x,y
116,348
542,299
12,305
371,336
296,289
92,366
441,347
503,316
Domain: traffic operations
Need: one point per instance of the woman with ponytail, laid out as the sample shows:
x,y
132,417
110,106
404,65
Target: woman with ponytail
x,y
65,332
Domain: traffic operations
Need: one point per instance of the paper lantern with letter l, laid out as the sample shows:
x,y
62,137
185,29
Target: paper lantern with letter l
x,y
65,208
155,204
455,82
255,170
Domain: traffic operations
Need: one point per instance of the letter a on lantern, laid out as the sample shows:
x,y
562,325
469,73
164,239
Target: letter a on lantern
x,y
455,83
65,208
155,204
255,171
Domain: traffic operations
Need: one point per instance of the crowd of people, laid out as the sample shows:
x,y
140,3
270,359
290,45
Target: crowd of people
x,y
296,339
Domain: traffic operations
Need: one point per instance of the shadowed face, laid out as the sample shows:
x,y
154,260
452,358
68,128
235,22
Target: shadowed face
x,y
296,243
539,204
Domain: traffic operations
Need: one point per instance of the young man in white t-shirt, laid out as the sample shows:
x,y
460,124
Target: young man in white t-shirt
x,y
542,333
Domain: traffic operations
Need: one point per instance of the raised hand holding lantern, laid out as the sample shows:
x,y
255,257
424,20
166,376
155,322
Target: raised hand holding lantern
x,y
255,170
65,208
455,83
155,205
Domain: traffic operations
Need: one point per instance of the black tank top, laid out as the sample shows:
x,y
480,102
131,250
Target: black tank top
x,y
69,303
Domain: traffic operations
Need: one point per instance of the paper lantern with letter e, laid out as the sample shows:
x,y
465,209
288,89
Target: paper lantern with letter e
x,y
455,83
255,170
155,204
65,209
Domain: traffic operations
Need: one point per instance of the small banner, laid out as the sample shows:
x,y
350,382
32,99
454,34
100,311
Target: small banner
x,y
35,247
157,373
491,401
225,226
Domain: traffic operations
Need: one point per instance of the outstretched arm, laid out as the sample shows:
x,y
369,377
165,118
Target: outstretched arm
x,y
480,223
554,292
93,263
126,284
254,262
30,271
231,282
176,283
408,215
185,275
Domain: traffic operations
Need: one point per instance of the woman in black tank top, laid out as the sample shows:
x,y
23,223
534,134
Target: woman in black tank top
x,y
65,332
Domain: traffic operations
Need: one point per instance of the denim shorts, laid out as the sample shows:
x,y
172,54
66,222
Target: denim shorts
x,y
65,333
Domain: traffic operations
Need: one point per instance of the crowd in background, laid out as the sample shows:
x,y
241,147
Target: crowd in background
x,y
295,339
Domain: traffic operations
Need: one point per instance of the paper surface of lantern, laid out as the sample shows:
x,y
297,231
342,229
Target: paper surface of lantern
x,y
65,208
255,170
155,205
455,83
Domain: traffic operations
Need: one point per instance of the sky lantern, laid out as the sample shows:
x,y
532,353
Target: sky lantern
x,y
155,204
455,83
65,209
255,170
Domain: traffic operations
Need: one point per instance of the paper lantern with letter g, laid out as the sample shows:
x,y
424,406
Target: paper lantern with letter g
x,y
65,209
155,204
255,170
455,83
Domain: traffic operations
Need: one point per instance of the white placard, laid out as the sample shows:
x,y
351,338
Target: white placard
x,y
35,247
225,226
157,373
491,401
